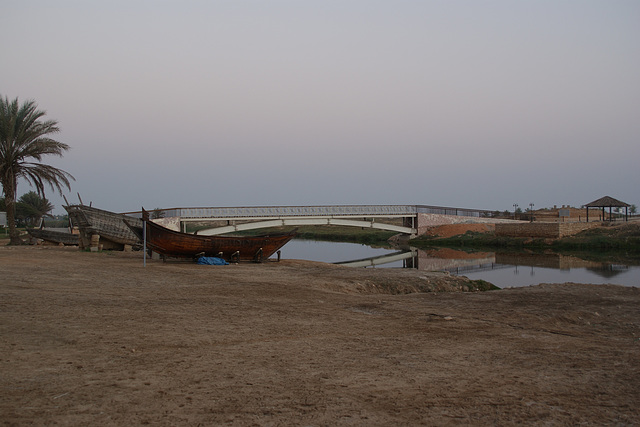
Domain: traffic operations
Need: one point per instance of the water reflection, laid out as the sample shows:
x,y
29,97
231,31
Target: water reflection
x,y
609,271
523,269
406,257
501,269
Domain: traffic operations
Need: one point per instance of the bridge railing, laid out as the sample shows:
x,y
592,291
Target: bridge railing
x,y
319,211
441,210
283,211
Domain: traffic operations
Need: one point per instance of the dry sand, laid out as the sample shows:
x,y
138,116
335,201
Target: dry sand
x,y
97,339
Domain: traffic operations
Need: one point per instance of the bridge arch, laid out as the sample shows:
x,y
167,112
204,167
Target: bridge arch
x,y
307,221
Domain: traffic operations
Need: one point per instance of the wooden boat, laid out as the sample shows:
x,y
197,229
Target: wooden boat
x,y
231,248
109,226
54,236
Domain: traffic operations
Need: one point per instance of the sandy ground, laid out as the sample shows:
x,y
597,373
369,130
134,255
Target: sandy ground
x,y
98,339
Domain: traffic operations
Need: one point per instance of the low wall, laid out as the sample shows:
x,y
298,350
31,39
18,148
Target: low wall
x,y
546,230
172,222
427,221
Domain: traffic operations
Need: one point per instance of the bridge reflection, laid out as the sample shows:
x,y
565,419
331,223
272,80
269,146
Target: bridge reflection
x,y
460,262
427,260
383,259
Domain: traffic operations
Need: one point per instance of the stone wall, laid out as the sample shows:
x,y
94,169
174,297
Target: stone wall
x,y
426,221
172,222
546,230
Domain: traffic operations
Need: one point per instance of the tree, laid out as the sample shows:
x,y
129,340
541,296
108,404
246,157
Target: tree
x,y
30,208
157,213
24,141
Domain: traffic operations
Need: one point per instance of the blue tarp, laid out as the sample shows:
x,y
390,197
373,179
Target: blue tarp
x,y
210,260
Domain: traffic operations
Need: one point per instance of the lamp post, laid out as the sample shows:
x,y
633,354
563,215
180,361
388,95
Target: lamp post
x,y
515,208
531,211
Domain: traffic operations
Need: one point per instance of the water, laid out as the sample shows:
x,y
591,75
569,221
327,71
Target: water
x,y
503,270
515,276
332,252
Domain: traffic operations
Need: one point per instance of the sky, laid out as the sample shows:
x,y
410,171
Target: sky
x,y
462,103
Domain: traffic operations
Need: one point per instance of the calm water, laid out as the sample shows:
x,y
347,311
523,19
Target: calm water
x,y
503,270
513,276
332,252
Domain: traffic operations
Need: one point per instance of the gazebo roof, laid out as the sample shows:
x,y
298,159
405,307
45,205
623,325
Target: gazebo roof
x,y
605,202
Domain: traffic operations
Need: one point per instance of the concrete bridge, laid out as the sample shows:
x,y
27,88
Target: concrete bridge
x,y
415,218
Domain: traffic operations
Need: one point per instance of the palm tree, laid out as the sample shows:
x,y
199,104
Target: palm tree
x,y
23,143
157,213
31,208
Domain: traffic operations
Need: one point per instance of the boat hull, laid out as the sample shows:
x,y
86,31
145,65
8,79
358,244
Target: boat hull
x,y
55,237
231,248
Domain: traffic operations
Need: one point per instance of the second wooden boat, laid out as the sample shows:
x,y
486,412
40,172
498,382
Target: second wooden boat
x,y
113,232
54,236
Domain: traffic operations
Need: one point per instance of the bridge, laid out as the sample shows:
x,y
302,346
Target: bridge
x,y
414,217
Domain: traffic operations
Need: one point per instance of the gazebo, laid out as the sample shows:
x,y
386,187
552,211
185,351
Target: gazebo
x,y
609,202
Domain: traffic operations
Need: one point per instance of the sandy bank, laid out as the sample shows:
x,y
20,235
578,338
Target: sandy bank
x,y
97,339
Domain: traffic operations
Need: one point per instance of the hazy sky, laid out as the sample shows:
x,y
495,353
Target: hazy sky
x,y
477,104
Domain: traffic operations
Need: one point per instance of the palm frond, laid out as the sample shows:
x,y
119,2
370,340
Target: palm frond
x,y
38,174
